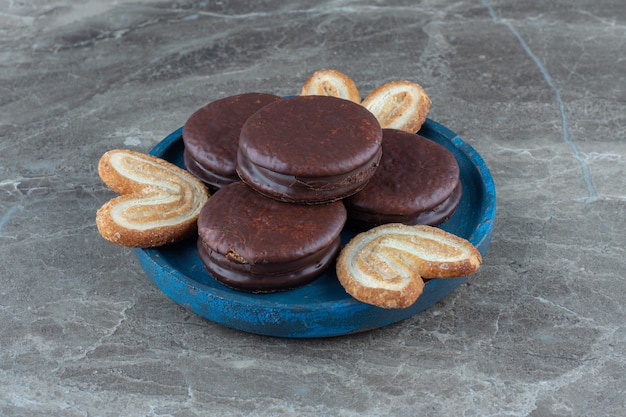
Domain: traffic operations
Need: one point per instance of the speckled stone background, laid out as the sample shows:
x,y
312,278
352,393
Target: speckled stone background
x,y
537,87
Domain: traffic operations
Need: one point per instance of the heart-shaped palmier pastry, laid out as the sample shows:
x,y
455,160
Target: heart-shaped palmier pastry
x,y
330,82
160,202
401,105
385,266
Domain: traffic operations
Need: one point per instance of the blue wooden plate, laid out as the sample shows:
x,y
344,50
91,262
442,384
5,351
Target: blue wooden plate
x,y
321,308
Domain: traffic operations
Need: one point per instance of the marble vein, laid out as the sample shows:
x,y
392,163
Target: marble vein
x,y
591,192
7,217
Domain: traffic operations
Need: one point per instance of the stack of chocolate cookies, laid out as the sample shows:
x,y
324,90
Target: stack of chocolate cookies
x,y
288,175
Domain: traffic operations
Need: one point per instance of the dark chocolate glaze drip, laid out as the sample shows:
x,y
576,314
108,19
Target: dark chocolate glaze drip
x,y
268,277
210,178
360,220
311,190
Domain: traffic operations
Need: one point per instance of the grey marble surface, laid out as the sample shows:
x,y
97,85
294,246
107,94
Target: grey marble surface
x,y
537,87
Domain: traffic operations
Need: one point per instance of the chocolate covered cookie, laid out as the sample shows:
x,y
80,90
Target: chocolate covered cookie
x,y
309,149
417,182
257,244
211,136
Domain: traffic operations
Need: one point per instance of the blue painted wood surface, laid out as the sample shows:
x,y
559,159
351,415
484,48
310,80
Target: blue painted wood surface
x,y
322,308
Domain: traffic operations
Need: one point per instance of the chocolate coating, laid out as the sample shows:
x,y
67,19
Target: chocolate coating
x,y
309,149
254,243
417,182
360,221
211,136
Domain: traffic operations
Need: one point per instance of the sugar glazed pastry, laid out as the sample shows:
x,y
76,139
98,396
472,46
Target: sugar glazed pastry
x,y
333,83
211,136
386,265
309,149
417,182
257,244
399,105
159,202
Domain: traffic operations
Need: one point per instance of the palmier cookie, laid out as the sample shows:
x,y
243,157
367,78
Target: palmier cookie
x,y
401,105
160,202
330,82
386,265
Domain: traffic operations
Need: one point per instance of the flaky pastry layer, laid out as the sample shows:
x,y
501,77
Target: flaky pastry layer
x,y
330,82
386,265
401,105
160,202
